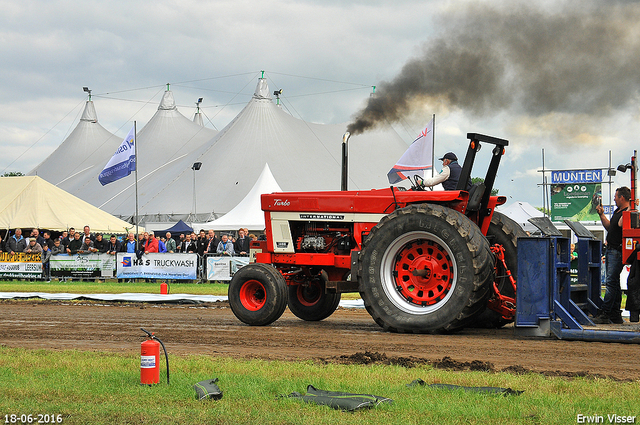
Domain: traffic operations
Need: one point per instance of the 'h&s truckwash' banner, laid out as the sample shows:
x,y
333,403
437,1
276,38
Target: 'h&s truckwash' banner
x,y
82,265
20,265
157,266
575,195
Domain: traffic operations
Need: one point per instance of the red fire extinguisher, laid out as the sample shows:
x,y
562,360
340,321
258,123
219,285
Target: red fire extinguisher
x,y
150,360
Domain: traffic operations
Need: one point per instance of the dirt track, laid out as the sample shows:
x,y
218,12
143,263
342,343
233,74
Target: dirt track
x,y
212,329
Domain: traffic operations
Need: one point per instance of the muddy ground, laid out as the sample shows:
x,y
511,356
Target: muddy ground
x,y
348,336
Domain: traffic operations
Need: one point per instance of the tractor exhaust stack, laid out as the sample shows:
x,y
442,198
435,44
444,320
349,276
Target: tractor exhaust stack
x,y
345,160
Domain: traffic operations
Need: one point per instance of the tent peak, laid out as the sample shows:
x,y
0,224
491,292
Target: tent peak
x,y
89,113
248,213
167,103
262,90
197,118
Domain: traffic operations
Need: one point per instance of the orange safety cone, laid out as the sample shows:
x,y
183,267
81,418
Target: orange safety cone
x,y
164,288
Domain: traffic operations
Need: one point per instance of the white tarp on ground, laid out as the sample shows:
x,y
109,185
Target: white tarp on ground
x,y
248,213
131,297
521,212
139,297
29,201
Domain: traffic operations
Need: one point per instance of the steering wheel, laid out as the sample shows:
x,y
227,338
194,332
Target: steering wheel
x,y
417,183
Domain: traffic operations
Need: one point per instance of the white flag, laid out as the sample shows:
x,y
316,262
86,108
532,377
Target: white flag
x,y
416,159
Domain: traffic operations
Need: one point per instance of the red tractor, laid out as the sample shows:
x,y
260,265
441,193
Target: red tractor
x,y
422,261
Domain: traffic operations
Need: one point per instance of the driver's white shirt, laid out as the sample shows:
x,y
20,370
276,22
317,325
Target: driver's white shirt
x,y
443,176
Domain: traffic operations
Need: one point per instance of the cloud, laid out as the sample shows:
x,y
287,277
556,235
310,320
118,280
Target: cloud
x,y
51,49
546,74
519,57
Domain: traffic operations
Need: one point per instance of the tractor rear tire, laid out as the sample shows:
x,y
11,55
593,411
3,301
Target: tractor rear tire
x,y
309,301
424,268
258,294
502,231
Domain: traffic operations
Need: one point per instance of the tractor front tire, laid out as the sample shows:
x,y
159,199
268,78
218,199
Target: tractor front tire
x,y
309,300
424,268
258,294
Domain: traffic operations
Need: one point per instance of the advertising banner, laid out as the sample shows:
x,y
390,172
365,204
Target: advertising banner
x,y
575,201
223,268
82,265
20,265
157,266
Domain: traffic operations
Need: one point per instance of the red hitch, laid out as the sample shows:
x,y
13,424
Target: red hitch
x,y
499,303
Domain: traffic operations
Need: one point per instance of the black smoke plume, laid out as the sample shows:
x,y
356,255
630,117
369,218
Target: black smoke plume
x,y
582,58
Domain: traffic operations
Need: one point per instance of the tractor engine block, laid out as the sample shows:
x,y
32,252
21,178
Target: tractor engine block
x,y
313,243
322,238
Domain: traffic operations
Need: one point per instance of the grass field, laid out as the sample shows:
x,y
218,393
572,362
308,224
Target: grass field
x,y
103,388
111,287
79,387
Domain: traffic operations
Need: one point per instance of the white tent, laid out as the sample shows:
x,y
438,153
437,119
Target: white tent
x,y
302,156
165,139
248,213
521,212
83,150
30,201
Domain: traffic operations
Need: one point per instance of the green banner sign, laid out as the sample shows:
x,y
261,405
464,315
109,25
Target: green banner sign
x,y
575,201
82,265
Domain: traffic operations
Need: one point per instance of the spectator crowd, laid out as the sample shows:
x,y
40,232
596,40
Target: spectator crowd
x,y
72,242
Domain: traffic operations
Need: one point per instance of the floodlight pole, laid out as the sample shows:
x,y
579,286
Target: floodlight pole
x,y
195,207
195,167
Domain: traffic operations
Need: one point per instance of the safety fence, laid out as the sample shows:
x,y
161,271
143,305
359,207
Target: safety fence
x,y
121,266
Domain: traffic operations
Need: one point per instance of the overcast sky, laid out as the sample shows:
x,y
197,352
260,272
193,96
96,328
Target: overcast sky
x,y
544,76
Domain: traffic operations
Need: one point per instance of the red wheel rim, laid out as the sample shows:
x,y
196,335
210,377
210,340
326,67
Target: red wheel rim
x,y
309,294
423,272
253,295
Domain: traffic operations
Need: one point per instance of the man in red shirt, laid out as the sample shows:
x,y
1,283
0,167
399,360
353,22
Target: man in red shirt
x,y
150,243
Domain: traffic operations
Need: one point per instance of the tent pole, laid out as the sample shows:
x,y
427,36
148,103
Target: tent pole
x,y
135,145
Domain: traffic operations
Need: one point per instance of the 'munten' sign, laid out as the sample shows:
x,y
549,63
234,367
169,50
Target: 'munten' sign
x,y
576,176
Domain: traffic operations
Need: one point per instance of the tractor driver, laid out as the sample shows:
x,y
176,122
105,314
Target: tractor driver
x,y
449,175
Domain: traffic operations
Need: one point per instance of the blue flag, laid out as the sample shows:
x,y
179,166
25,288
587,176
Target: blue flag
x,y
416,160
122,163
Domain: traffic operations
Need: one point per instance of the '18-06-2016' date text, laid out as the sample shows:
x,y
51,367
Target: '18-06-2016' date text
x,y
34,418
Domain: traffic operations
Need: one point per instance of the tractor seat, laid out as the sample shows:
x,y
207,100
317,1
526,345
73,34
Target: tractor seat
x,y
475,196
